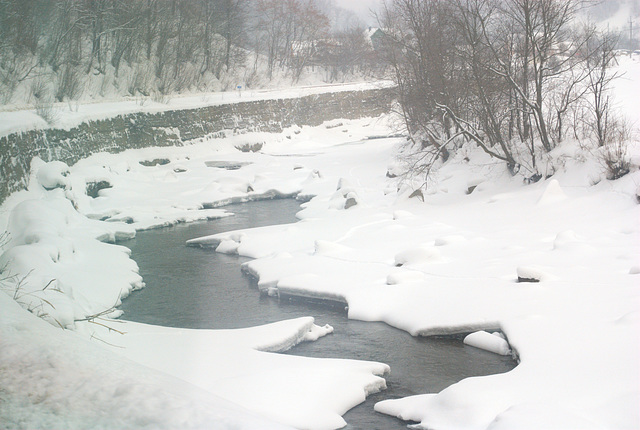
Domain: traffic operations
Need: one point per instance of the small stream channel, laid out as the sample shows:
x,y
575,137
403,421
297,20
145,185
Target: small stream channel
x,y
198,288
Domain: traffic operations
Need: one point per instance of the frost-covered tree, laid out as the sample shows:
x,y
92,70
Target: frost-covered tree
x,y
499,73
145,47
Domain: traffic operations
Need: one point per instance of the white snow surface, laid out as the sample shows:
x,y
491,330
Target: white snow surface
x,y
60,263
446,265
238,365
53,378
488,341
451,264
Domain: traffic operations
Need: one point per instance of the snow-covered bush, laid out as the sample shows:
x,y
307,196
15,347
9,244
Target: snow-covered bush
x,y
613,154
138,81
614,158
46,111
69,84
250,147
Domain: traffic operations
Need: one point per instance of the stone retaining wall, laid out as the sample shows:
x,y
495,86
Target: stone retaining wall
x,y
177,128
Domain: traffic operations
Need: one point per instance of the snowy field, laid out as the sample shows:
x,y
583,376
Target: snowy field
x,y
449,264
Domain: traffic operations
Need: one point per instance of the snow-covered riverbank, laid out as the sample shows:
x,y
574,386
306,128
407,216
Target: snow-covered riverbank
x,y
452,263
448,264
54,266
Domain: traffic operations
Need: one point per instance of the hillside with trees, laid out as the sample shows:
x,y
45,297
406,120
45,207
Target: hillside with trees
x,y
67,50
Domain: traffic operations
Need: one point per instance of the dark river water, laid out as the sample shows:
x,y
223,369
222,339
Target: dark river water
x,y
198,288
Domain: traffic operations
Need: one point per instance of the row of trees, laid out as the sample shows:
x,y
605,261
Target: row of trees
x,y
289,30
514,76
169,41
164,45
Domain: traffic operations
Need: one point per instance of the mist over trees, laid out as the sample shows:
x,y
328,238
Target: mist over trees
x,y
618,15
515,77
59,49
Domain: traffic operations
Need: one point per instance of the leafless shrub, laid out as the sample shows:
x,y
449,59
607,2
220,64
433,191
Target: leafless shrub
x,y
40,306
613,154
39,90
226,83
185,79
46,110
164,86
160,97
42,101
30,300
142,100
251,78
69,84
4,238
99,318
14,69
138,82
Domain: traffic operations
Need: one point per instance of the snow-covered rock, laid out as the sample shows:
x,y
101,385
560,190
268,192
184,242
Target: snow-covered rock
x,y
553,193
531,274
418,255
405,276
53,175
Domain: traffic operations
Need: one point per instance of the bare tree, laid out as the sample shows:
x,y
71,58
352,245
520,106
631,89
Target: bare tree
x,y
64,39
20,25
127,20
351,53
96,14
502,74
149,27
487,91
548,51
60,42
600,59
166,32
271,25
233,13
309,28
291,28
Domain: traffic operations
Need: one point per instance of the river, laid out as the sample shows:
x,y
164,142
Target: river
x,y
192,287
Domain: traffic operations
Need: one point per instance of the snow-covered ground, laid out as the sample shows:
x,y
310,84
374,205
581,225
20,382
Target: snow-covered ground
x,y
54,266
448,264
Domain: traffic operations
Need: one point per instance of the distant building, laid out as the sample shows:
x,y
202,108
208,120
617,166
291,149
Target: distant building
x,y
374,36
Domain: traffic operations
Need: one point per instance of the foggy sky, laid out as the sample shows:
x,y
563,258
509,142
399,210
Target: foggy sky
x,y
361,8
